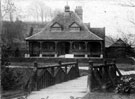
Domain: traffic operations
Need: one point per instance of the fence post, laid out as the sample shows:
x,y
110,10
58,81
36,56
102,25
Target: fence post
x,y
90,76
36,76
114,61
60,63
77,68
105,72
105,62
52,70
66,69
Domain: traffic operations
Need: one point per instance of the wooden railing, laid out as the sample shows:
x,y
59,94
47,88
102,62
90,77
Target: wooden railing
x,y
42,77
103,76
50,75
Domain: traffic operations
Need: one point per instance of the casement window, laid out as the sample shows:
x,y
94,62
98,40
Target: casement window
x,y
74,27
80,46
48,46
56,27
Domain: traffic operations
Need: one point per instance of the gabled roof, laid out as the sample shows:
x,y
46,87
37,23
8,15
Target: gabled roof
x,y
56,25
74,24
119,43
65,20
108,41
98,31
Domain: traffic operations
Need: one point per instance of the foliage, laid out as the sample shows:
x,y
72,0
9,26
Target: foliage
x,y
126,85
11,79
12,32
8,9
15,78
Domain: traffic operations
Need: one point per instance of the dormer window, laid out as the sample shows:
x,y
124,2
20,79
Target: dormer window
x,y
56,27
74,27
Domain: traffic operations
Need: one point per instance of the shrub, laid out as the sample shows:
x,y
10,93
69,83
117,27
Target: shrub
x,y
11,79
126,85
15,78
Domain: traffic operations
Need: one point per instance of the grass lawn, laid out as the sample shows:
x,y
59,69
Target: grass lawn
x,y
126,67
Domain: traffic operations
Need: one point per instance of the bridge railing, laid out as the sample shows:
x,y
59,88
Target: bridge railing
x,y
50,75
102,77
44,76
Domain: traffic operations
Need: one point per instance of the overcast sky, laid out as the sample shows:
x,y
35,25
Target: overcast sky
x,y
100,13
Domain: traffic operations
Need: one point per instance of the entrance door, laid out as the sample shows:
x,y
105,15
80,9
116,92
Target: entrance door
x,y
63,48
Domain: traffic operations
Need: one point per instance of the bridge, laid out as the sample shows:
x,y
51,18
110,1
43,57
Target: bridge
x,y
63,81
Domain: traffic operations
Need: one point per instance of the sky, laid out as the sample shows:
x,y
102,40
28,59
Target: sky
x,y
100,13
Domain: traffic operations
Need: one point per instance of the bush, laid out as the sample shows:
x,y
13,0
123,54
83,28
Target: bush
x,y
11,79
126,85
15,78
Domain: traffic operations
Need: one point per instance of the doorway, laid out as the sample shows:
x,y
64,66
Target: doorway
x,y
63,48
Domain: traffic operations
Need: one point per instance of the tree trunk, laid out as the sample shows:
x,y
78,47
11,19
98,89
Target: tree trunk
x,y
0,43
11,17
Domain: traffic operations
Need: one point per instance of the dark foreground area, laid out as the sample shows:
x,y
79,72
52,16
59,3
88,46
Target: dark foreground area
x,y
106,95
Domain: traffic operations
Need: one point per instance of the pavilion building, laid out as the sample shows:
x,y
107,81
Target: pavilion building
x,y
67,36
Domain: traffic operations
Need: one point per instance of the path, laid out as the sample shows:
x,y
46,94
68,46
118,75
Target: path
x,y
73,89
66,90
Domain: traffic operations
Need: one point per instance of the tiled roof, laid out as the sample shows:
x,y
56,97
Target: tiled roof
x,y
108,41
65,20
98,31
119,43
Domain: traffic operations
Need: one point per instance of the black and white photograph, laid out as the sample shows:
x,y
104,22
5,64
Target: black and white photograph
x,y
67,49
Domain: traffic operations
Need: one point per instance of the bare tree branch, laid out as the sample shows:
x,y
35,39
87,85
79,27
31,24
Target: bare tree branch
x,y
129,3
128,38
40,11
8,9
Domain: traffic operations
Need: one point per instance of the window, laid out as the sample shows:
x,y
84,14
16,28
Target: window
x,y
94,47
74,27
35,48
79,46
48,46
56,27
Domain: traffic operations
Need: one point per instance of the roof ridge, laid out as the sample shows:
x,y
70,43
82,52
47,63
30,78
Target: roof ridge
x,y
65,19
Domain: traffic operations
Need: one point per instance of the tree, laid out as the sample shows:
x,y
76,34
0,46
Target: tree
x,y
8,9
39,11
12,32
130,4
129,37
127,3
56,12
0,43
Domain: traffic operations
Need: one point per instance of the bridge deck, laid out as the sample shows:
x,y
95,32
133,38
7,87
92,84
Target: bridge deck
x,y
65,90
73,89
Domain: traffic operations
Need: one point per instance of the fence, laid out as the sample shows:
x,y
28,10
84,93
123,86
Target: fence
x,y
103,77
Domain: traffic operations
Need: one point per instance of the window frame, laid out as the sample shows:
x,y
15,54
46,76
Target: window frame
x,y
76,28
56,28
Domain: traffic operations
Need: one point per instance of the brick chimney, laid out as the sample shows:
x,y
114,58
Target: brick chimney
x,y
79,12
